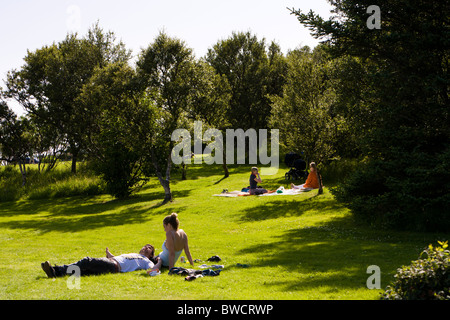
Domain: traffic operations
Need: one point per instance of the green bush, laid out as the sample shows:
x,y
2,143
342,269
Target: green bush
x,y
337,170
10,184
57,183
120,169
72,186
406,193
425,279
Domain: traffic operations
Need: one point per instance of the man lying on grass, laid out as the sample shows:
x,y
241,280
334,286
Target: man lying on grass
x,y
143,260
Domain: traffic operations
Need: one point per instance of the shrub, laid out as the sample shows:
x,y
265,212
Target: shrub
x,y
335,170
59,182
425,279
406,193
10,184
120,169
71,186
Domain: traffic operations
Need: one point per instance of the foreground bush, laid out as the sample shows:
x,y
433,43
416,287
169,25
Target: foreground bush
x,y
425,279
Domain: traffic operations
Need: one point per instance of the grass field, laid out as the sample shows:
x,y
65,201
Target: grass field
x,y
297,247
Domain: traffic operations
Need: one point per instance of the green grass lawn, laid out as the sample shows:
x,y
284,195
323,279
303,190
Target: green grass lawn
x,y
297,247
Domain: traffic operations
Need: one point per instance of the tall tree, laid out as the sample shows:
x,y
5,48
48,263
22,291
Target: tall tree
x,y
118,142
165,68
50,82
210,100
253,72
16,140
406,179
303,114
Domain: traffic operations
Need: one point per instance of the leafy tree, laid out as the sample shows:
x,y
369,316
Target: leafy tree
x,y
15,139
165,69
117,143
50,82
48,144
405,180
347,77
303,114
210,100
253,72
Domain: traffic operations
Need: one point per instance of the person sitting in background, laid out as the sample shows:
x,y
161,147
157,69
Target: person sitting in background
x,y
311,182
254,180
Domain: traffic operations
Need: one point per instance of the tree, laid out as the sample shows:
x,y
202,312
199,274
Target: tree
x,y
405,180
252,73
165,69
303,114
210,100
50,82
118,141
15,139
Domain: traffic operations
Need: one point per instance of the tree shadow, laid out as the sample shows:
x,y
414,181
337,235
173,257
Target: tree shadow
x,y
335,255
289,206
220,180
81,214
86,205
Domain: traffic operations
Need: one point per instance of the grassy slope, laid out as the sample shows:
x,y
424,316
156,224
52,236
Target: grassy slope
x,y
298,247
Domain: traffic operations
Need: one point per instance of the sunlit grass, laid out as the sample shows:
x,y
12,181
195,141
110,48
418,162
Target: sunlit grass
x,y
296,247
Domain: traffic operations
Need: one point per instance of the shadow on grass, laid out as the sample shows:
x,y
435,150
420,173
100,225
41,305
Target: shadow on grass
x,y
194,172
81,214
334,255
290,206
82,205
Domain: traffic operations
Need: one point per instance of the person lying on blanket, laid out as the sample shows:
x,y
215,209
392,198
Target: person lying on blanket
x,y
311,182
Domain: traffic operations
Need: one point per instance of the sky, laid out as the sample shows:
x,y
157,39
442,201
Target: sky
x,y
32,24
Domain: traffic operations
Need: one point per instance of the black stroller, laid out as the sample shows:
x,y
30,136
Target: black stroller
x,y
297,165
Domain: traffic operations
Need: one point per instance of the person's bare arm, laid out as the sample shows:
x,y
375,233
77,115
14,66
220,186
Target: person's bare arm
x,y
187,252
156,267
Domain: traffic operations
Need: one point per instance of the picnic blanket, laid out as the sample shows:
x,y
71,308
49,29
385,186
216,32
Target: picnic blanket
x,y
284,192
231,194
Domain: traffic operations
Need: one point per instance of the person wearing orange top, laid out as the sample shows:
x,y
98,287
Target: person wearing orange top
x,y
311,182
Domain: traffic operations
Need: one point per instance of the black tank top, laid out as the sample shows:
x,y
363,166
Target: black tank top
x,y
253,183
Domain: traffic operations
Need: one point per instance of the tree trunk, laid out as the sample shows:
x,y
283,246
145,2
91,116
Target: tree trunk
x,y
183,171
23,171
165,183
319,178
74,162
167,193
224,165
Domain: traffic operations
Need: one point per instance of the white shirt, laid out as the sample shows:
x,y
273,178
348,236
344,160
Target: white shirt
x,y
133,261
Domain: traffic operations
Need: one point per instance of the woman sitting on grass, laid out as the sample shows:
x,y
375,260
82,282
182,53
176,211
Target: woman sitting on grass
x,y
176,241
312,182
254,180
